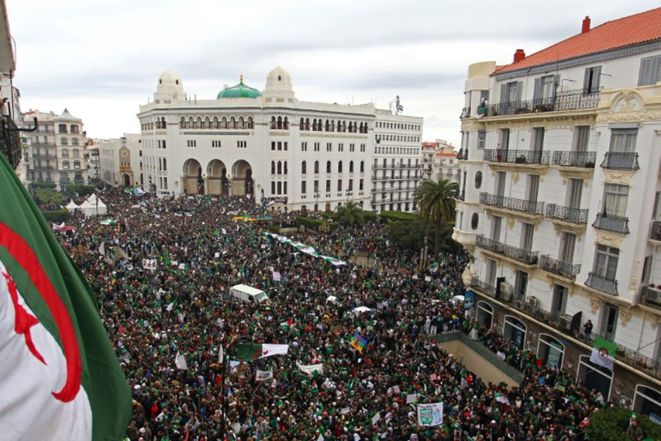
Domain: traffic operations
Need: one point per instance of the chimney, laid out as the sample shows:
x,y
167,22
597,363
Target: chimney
x,y
519,55
586,25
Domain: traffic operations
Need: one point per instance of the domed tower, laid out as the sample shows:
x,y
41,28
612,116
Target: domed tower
x,y
170,87
278,85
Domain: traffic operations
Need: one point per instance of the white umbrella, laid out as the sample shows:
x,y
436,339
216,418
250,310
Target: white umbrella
x,y
360,309
457,298
331,299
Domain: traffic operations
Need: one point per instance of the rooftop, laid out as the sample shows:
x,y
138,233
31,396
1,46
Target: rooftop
x,y
626,31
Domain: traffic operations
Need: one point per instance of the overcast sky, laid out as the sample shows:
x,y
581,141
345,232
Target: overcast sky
x,y
102,58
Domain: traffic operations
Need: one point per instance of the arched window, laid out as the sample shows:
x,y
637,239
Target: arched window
x,y
301,124
279,167
362,166
223,122
233,122
279,123
327,126
304,168
339,166
550,350
316,167
328,166
332,126
215,122
191,124
646,400
251,123
273,123
272,167
484,314
593,377
182,123
242,122
307,124
515,331
285,123
350,166
285,168
198,123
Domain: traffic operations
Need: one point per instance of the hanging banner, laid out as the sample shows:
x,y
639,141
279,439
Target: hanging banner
x,y
310,369
430,414
263,375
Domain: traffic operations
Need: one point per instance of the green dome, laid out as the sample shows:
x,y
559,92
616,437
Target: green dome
x,y
239,91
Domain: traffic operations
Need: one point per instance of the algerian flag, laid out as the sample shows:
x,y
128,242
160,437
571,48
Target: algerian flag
x,y
253,351
60,375
603,352
180,361
311,369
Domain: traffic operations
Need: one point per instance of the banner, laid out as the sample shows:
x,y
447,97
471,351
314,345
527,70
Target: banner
x,y
430,414
603,353
263,375
180,362
270,349
311,369
149,264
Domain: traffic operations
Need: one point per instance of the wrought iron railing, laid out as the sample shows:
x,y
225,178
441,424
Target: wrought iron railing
x,y
555,266
539,157
569,100
522,205
575,159
655,233
610,222
567,214
522,255
482,286
10,141
620,161
602,283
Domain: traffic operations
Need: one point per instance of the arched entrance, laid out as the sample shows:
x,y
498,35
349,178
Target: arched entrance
x,y
126,179
242,181
550,350
515,331
484,315
192,180
217,182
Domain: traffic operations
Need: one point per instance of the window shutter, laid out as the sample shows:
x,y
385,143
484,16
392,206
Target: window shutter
x,y
503,93
519,90
556,83
596,78
586,81
650,70
537,94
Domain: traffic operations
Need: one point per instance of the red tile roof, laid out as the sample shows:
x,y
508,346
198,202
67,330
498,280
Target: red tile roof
x,y
626,31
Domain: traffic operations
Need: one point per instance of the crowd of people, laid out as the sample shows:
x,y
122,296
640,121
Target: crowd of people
x,y
179,308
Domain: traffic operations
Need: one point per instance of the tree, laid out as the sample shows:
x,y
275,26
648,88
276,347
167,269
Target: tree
x,y
436,205
350,214
611,425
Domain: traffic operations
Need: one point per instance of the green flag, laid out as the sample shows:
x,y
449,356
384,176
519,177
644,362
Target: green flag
x,y
61,378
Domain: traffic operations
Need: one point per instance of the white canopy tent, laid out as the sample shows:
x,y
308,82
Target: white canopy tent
x,y
93,206
71,206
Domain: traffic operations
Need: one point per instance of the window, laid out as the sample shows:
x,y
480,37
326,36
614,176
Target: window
x,y
215,143
328,166
76,164
273,145
514,331
520,285
605,262
340,147
567,245
339,185
481,139
362,147
362,166
64,141
360,185
591,79
242,144
511,92
328,186
339,167
279,145
650,71
304,147
304,168
478,179
316,146
544,89
559,301
550,350
62,128
609,322
352,147
527,231
74,129
329,146
279,187
537,140
623,140
191,143
65,164
474,221
74,141
615,199
303,187
316,167
581,138
65,153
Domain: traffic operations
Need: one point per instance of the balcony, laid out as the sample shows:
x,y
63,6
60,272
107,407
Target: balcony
x,y
601,283
620,161
522,255
569,100
651,296
564,269
535,157
567,214
575,159
610,222
655,234
514,204
484,287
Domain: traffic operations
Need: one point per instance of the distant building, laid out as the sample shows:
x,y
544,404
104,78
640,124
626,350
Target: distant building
x,y
93,160
271,146
56,150
117,166
439,160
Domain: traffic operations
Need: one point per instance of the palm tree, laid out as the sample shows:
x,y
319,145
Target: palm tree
x,y
350,214
436,205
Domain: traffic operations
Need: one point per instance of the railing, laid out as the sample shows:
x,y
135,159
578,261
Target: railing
x,y
395,167
570,100
483,286
522,205
575,159
655,234
610,222
517,156
651,296
564,269
567,214
620,161
601,283
522,255
10,141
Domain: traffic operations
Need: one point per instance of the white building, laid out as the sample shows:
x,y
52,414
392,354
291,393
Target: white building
x,y
117,160
561,184
439,160
270,145
56,151
93,159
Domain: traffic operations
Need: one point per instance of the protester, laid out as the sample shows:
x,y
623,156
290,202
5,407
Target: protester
x,y
178,309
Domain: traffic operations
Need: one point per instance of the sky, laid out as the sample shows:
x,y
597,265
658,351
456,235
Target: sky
x,y
101,59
